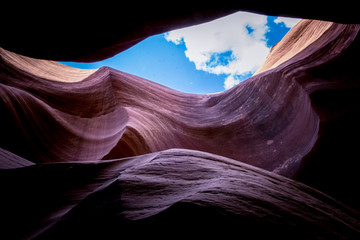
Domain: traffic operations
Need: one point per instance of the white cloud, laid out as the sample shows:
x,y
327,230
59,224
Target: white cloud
x,y
231,81
289,22
234,45
206,44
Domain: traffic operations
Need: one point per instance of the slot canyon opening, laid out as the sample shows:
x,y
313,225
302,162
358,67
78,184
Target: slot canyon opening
x,y
206,58
103,152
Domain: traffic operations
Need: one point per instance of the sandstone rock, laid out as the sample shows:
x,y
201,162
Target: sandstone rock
x,y
100,153
93,32
182,192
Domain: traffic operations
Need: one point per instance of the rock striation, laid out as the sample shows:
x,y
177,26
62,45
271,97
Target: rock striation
x,y
186,192
102,152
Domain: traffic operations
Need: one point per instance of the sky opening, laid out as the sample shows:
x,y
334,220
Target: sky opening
x,y
206,58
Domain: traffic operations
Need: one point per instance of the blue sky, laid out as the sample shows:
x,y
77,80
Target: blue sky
x,y
205,58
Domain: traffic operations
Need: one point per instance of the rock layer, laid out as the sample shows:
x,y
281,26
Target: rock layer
x,y
111,114
88,132
174,191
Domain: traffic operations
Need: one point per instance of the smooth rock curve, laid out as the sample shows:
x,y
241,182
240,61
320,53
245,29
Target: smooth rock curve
x,y
175,191
84,152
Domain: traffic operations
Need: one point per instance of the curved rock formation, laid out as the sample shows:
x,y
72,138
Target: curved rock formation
x,y
299,38
111,114
87,132
174,191
93,32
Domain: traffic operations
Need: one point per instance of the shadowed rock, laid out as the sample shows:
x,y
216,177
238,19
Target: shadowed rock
x,y
174,191
99,144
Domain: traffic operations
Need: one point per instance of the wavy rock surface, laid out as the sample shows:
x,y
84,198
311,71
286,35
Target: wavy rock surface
x,y
285,119
111,114
180,191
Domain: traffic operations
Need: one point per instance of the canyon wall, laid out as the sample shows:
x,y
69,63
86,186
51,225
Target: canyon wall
x,y
94,151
